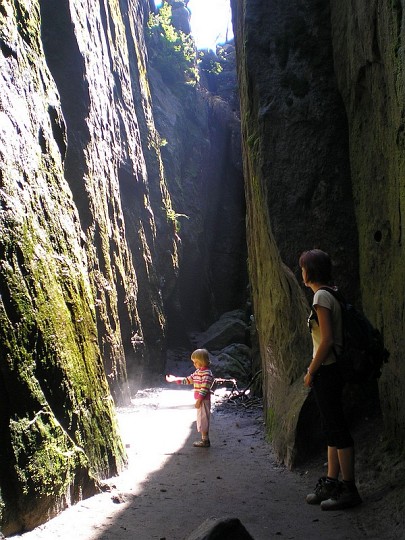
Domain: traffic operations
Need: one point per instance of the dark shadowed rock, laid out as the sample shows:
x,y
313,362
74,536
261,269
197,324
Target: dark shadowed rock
x,y
228,329
202,159
221,529
323,137
368,57
233,362
298,184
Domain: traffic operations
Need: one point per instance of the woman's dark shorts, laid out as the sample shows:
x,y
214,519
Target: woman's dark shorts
x,y
328,389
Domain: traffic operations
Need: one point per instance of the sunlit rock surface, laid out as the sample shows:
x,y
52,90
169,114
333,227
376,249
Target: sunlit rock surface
x,y
57,424
109,246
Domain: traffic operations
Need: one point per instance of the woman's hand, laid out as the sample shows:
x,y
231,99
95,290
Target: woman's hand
x,y
308,380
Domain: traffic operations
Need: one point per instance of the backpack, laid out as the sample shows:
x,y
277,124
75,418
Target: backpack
x,y
363,353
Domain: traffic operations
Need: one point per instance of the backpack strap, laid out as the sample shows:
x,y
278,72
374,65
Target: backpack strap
x,y
334,292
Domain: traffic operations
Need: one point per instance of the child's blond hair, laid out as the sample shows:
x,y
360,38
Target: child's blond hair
x,y
202,356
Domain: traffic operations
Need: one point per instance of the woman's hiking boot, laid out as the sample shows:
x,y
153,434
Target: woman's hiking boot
x,y
325,489
346,496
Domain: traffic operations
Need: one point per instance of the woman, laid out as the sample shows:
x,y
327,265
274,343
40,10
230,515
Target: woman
x,y
324,378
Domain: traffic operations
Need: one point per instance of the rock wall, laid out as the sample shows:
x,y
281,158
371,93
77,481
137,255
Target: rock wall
x,y
110,241
58,431
97,57
202,159
369,63
322,120
298,191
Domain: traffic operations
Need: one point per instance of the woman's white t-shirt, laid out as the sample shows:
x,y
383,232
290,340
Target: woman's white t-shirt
x,y
327,300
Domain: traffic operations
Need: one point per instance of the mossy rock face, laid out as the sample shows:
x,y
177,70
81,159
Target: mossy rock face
x,y
89,245
57,424
58,427
58,430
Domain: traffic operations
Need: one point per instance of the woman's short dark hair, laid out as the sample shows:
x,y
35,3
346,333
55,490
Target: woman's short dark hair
x,y
318,266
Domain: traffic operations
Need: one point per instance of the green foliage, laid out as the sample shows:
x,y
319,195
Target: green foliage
x,y
216,68
173,216
173,52
210,64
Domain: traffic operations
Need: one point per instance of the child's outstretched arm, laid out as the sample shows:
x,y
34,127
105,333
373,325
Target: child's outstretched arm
x,y
172,378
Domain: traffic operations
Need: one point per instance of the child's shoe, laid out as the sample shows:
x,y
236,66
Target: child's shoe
x,y
204,443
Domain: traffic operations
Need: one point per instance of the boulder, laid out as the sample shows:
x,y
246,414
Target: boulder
x,y
233,362
230,328
221,529
235,314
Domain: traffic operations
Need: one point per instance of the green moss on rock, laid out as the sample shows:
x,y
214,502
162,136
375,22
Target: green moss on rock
x,y
61,430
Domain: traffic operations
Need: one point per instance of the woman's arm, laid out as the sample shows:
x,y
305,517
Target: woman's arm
x,y
326,344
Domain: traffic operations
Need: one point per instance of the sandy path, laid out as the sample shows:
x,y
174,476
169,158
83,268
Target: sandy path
x,y
170,488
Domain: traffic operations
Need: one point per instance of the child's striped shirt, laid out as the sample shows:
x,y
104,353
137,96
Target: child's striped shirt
x,y
202,380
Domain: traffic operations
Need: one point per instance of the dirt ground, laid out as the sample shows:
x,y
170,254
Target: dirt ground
x,y
170,487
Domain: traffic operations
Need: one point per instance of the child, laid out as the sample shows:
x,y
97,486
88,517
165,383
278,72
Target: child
x,y
202,379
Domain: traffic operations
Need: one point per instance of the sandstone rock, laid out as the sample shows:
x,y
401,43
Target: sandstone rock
x,y
221,529
202,159
321,151
180,16
367,58
228,329
89,245
239,314
233,362
297,171
57,426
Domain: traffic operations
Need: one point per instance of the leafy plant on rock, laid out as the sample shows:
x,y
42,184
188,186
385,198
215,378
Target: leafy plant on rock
x,y
172,51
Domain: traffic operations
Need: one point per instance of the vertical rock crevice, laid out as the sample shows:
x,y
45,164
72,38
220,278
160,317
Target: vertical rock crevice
x,y
68,69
